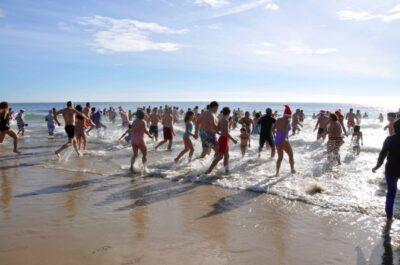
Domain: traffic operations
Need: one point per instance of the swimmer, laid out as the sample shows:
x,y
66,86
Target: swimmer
x,y
138,130
186,137
266,125
282,129
223,142
206,127
69,114
168,129
356,138
244,138
5,129
335,138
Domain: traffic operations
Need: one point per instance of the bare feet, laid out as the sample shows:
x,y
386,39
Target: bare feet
x,y
58,155
16,151
293,171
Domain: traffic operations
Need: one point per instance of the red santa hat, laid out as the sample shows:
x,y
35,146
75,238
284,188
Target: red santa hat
x,y
288,111
339,114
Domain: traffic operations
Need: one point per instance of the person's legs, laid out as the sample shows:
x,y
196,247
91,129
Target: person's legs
x,y
143,149
226,162
289,151
170,144
75,147
217,158
13,135
191,150
160,144
63,147
261,145
279,161
134,155
2,135
390,195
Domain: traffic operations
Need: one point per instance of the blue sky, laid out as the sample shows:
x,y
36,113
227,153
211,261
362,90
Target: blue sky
x,y
191,50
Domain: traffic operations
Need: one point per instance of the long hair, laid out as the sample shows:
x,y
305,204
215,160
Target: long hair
x,y
189,114
3,109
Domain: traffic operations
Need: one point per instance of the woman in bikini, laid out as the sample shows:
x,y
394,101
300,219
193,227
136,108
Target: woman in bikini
x,y
186,137
282,129
138,130
5,129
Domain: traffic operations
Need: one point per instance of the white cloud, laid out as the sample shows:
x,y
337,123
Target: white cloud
x,y
292,48
325,50
350,15
2,13
127,35
242,7
212,3
272,7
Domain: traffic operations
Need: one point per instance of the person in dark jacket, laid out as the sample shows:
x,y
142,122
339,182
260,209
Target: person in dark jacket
x,y
391,151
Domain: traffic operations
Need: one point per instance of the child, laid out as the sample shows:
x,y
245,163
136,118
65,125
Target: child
x,y
186,137
21,122
357,136
244,139
138,130
223,142
391,117
50,124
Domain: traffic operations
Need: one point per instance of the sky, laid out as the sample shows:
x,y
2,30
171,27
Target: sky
x,y
198,50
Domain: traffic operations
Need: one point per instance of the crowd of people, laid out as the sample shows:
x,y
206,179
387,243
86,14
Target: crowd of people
x,y
214,127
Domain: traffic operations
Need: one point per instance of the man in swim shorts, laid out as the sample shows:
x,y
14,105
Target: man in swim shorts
x,y
168,129
266,124
154,120
351,119
206,127
321,125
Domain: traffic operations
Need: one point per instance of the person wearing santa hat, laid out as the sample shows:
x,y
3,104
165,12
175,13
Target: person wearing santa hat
x,y
282,129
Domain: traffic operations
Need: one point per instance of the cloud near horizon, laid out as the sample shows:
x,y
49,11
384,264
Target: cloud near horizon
x,y
128,35
349,15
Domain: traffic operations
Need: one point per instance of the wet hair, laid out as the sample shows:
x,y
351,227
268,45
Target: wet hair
x,y
78,107
214,104
140,114
226,111
268,111
333,117
357,128
69,104
188,115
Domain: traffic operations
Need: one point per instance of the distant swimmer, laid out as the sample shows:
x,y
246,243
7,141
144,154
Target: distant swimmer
x,y
206,127
365,116
356,139
168,129
69,114
282,129
266,126
223,142
381,118
20,118
391,117
189,132
244,139
321,125
138,130
246,122
335,138
296,124
5,129
390,151
351,119
154,120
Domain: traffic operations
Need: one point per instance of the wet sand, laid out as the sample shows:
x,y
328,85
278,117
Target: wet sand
x,y
51,216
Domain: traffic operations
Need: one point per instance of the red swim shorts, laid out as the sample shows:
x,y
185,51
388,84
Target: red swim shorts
x,y
223,145
167,133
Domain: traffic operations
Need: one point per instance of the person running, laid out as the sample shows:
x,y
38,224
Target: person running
x,y
351,119
356,139
124,117
206,127
88,123
296,124
391,117
335,138
390,151
244,139
96,119
340,117
50,123
223,142
154,120
256,118
247,122
5,129
80,126
322,123
20,118
266,125
168,129
138,130
282,129
186,137
69,114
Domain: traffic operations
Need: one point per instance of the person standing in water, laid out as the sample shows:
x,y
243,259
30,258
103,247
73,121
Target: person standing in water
x,y
322,123
282,129
69,114
247,122
168,129
206,127
296,124
356,139
223,142
335,138
50,123
186,137
154,120
391,117
138,130
381,118
266,125
351,118
124,117
5,129
390,150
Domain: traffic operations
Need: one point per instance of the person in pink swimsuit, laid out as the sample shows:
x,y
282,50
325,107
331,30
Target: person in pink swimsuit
x,y
138,130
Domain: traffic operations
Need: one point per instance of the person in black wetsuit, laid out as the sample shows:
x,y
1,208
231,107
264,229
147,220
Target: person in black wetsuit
x,y
391,151
5,129
266,124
